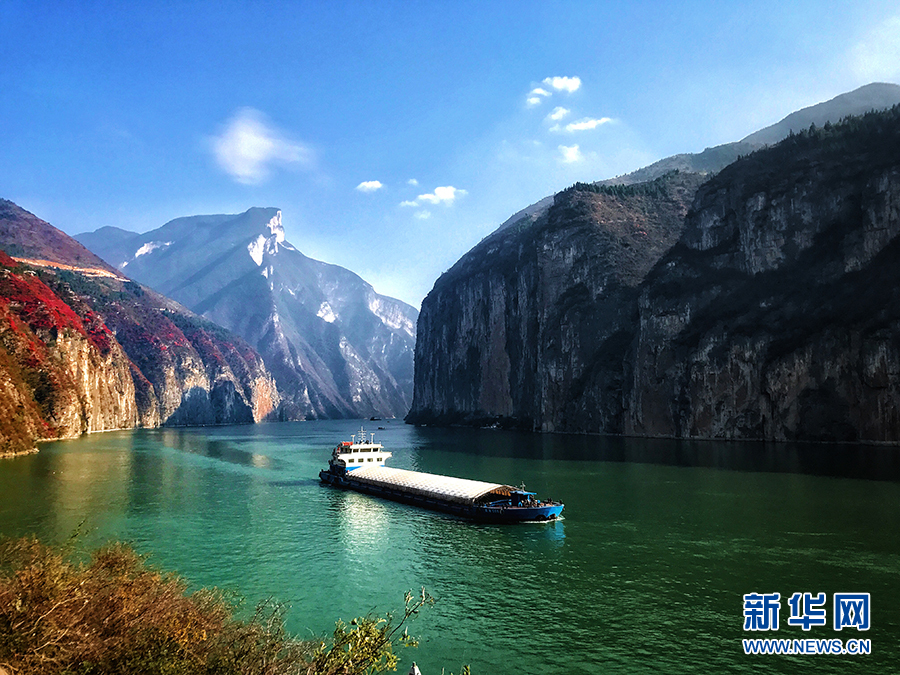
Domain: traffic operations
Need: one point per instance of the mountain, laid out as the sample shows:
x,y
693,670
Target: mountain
x,y
775,316
753,303
61,373
515,333
83,348
335,346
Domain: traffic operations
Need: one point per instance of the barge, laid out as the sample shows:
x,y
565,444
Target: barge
x,y
359,464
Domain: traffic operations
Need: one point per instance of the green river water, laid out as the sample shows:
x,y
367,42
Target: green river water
x,y
645,574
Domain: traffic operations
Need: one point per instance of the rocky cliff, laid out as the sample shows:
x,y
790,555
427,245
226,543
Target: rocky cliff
x,y
61,374
83,348
775,316
335,346
186,370
529,329
766,312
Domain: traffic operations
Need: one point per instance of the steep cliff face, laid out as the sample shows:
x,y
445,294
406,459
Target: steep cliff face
x,y
529,329
61,374
186,370
335,346
773,316
776,314
84,349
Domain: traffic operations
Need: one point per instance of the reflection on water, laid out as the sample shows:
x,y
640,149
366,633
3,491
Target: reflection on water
x,y
198,443
869,462
644,574
364,526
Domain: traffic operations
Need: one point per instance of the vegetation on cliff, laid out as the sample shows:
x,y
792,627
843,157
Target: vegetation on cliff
x,y
756,303
115,614
41,394
169,345
83,349
529,328
774,317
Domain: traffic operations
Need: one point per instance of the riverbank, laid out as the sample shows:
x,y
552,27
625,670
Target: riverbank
x,y
115,613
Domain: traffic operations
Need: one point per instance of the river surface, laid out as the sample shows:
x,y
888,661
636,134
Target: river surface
x,y
645,574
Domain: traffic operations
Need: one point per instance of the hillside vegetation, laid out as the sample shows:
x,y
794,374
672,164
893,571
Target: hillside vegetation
x,y
115,614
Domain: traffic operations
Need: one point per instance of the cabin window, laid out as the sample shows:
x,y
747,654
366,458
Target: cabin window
x,y
350,461
370,459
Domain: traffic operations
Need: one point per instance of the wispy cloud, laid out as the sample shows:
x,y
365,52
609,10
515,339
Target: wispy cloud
x,y
877,55
412,181
369,186
536,95
587,123
568,84
570,154
442,195
423,215
249,147
408,202
558,113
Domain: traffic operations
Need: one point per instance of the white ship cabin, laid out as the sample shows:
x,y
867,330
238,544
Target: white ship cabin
x,y
361,450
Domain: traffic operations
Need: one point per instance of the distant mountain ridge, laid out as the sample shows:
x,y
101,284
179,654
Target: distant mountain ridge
x,y
335,346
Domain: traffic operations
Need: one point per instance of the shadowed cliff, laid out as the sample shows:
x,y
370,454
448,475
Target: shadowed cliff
x,y
767,311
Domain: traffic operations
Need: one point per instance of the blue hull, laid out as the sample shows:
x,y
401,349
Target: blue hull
x,y
480,512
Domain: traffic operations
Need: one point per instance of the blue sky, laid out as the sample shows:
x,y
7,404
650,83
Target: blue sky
x,y
394,135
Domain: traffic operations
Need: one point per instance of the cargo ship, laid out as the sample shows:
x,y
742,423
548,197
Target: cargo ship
x,y
359,464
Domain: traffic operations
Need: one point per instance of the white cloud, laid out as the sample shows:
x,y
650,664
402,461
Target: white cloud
x,y
568,84
369,186
570,153
442,195
558,113
587,123
412,181
407,202
249,147
423,215
536,95
877,56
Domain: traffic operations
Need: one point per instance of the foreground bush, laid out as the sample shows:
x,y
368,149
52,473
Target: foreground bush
x,y
114,614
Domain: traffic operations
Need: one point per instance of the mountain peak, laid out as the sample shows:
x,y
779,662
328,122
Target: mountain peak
x,y
267,244
275,226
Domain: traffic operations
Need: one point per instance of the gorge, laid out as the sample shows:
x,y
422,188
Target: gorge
x,y
751,303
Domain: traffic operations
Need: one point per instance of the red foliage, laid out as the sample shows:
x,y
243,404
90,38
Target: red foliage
x,y
7,261
38,306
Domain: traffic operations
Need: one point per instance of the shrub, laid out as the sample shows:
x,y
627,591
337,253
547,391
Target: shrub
x,y
115,614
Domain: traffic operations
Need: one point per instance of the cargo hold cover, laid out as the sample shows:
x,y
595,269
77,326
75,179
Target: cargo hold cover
x,y
446,488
